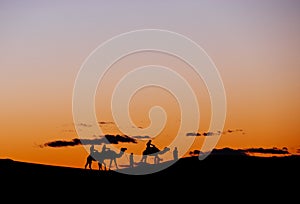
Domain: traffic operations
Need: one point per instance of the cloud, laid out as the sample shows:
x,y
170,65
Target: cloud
x,y
193,134
243,152
273,150
141,137
84,125
111,139
222,151
229,151
211,133
115,139
105,122
62,143
231,131
196,134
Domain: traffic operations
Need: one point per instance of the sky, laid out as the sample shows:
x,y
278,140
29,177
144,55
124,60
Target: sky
x,y
254,45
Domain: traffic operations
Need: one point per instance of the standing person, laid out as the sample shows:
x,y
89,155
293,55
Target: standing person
x,y
104,148
92,149
131,160
175,154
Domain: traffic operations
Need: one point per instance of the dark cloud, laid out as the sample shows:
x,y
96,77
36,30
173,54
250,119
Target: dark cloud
x,y
107,139
229,151
211,133
273,150
105,122
62,143
193,134
141,137
232,130
115,139
243,152
196,134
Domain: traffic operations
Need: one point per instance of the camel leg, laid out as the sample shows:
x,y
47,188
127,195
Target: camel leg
x,y
100,166
157,159
144,158
110,163
116,164
86,163
104,166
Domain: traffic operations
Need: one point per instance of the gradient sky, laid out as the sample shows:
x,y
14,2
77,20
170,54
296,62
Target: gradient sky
x,y
254,44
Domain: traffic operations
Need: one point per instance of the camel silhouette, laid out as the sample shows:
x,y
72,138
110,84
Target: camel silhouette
x,y
101,156
153,151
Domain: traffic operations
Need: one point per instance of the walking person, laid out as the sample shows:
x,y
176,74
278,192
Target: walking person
x,y
175,154
131,160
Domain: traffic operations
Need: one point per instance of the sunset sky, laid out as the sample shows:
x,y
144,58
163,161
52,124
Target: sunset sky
x,y
255,45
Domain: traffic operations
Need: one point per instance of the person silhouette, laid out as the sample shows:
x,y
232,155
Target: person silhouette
x,y
104,148
149,144
131,160
151,148
175,154
92,149
148,149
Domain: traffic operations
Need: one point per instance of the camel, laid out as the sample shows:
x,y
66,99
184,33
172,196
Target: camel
x,y
154,151
101,156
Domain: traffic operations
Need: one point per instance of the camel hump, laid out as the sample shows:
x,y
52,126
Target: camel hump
x,y
154,149
151,150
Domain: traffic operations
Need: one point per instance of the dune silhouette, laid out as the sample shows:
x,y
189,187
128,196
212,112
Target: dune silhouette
x,y
224,164
218,173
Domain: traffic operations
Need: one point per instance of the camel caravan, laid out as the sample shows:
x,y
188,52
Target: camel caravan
x,y
112,156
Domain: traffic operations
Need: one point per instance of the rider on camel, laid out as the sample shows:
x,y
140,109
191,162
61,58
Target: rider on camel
x,y
150,146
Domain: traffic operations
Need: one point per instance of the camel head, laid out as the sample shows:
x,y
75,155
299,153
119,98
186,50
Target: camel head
x,y
166,149
123,149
